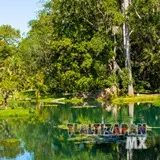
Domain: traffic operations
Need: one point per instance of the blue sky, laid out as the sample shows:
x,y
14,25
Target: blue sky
x,y
18,13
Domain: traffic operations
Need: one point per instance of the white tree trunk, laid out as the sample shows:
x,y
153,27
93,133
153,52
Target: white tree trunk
x,y
126,43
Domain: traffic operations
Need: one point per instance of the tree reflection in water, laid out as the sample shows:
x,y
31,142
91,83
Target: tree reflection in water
x,y
42,138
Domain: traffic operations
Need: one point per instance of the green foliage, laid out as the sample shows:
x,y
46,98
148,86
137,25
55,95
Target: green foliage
x,y
10,65
24,95
145,24
76,46
125,81
9,34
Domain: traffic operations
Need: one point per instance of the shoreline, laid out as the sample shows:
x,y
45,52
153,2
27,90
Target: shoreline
x,y
140,98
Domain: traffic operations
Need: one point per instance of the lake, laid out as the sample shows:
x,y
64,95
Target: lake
x,y
45,136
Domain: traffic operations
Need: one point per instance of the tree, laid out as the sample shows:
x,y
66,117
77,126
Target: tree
x,y
82,49
144,23
35,54
8,47
126,42
77,46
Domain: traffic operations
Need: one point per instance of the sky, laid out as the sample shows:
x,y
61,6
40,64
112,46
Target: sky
x,y
18,13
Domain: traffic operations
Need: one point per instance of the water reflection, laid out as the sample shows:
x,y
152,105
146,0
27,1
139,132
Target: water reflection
x,y
131,112
41,138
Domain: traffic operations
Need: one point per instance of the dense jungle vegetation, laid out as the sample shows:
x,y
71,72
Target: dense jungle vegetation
x,y
84,46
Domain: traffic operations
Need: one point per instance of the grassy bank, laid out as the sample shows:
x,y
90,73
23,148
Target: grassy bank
x,y
4,113
135,99
10,143
73,100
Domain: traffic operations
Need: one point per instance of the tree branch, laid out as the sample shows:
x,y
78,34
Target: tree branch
x,y
138,14
86,20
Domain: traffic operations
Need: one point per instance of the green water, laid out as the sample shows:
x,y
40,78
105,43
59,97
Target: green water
x,y
41,139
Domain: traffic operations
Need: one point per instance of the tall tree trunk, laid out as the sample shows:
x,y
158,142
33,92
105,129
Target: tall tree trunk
x,y
115,66
126,43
